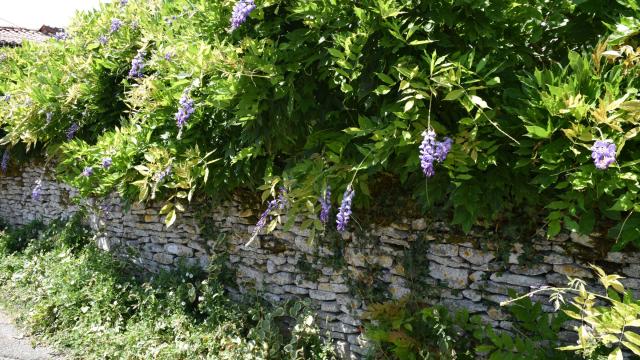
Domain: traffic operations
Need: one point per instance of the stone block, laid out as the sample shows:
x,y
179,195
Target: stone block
x,y
456,278
322,295
445,250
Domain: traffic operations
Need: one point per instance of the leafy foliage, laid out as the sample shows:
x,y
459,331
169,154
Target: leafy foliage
x,y
608,322
68,292
408,330
335,92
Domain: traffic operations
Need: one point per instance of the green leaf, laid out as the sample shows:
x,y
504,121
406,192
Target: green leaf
x,y
454,95
478,101
615,355
634,348
386,78
170,218
165,209
538,132
554,228
633,337
408,105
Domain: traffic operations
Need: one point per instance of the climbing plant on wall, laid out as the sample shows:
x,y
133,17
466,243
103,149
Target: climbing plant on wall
x,y
482,112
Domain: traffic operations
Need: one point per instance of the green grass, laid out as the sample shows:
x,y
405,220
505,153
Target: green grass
x,y
90,305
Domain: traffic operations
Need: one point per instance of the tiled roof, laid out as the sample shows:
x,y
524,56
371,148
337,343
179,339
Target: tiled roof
x,y
13,36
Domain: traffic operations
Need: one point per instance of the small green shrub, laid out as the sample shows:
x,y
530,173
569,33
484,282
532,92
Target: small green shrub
x,y
406,330
609,321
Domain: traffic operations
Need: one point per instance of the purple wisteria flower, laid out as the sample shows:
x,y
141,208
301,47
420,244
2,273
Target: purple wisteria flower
x,y
7,97
325,204
185,110
344,213
88,171
279,203
124,2
73,129
103,40
168,56
60,36
603,153
163,173
241,11
433,151
36,192
262,221
137,65
116,24
106,162
5,161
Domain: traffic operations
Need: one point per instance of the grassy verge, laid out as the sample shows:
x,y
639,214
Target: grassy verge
x,y
70,294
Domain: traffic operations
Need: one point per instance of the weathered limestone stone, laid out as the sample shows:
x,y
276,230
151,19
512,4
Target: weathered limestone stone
x,y
477,276
398,291
530,269
346,319
179,250
163,258
572,271
472,295
632,270
443,249
583,240
343,328
322,295
476,257
419,224
496,313
555,259
519,280
456,278
472,307
355,258
453,261
335,288
281,278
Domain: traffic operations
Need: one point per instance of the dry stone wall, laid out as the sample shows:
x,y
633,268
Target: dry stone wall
x,y
339,273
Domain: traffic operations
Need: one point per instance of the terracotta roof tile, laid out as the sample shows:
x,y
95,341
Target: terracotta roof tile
x,y
13,36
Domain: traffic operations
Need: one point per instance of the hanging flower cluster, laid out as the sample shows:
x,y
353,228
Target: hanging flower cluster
x,y
185,110
279,203
433,151
137,65
106,162
344,213
162,174
5,161
103,40
88,171
73,129
60,36
36,192
325,204
603,153
241,11
116,24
